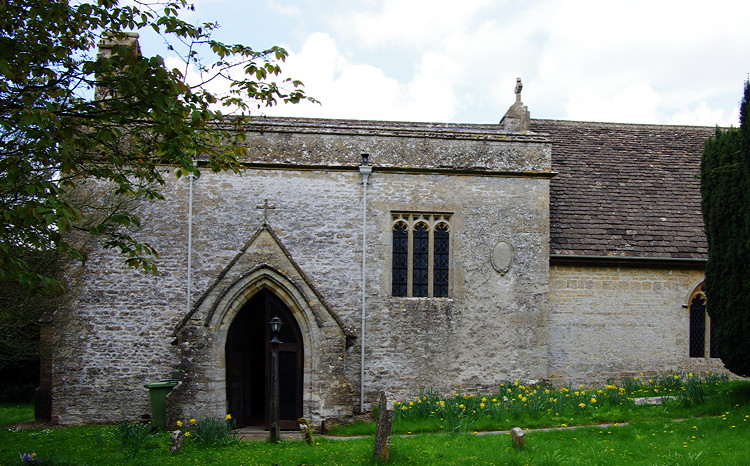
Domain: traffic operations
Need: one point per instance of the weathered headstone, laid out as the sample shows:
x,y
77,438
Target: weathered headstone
x,y
176,441
306,430
383,428
516,435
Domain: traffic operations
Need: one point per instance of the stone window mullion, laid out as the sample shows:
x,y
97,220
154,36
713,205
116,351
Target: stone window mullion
x,y
410,261
430,259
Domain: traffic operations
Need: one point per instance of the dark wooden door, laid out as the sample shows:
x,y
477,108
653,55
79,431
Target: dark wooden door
x,y
248,364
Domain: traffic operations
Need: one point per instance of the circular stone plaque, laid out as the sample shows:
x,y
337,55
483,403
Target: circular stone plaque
x,y
502,257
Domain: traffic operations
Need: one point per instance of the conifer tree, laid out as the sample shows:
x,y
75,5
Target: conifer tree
x,y
725,189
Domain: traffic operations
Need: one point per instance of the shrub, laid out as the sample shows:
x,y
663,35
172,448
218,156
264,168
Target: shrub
x,y
135,437
214,432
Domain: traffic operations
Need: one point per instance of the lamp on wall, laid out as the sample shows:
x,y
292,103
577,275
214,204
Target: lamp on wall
x,y
275,323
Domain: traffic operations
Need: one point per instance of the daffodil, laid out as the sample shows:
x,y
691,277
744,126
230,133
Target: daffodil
x,y
227,417
179,423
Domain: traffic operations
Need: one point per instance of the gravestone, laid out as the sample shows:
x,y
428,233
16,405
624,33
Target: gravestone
x,y
516,435
306,431
383,428
176,441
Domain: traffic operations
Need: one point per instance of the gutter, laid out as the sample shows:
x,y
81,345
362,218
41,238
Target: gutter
x,y
365,169
628,261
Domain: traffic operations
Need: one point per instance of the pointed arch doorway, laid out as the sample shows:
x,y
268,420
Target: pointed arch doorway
x,y
248,363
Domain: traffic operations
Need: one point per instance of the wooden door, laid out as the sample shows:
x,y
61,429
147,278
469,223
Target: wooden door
x,y
248,357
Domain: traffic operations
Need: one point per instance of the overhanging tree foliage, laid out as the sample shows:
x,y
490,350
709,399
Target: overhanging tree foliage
x,y
54,134
725,189
20,312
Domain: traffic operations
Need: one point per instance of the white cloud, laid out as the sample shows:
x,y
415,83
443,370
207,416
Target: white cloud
x,y
663,55
348,89
636,61
286,10
414,22
701,114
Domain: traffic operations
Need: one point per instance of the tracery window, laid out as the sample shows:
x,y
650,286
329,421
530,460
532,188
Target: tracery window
x,y
702,340
421,254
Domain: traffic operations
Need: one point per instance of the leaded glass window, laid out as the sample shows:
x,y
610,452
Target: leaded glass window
x,y
400,259
697,328
421,255
441,261
701,338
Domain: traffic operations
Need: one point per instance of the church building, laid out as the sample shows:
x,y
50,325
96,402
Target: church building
x,y
399,256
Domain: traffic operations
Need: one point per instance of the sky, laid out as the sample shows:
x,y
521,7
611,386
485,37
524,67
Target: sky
x,y
659,61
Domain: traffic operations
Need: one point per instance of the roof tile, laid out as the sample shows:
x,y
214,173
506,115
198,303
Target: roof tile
x,y
638,184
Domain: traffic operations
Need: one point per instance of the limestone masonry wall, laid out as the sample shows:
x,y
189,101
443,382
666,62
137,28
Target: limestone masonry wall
x,y
620,321
122,328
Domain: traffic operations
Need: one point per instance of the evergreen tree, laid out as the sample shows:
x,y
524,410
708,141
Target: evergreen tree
x,y
725,189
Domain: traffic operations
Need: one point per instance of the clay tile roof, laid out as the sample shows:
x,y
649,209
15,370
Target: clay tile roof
x,y
625,189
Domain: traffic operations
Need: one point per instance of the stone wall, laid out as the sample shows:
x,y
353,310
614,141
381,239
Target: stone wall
x,y
114,334
122,328
614,322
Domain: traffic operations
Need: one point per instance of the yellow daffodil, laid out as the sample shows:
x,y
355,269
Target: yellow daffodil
x,y
179,423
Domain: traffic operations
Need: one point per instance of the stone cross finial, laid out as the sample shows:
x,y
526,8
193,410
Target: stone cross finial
x,y
517,118
519,88
266,207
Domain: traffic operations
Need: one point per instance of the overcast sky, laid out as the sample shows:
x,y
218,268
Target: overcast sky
x,y
667,62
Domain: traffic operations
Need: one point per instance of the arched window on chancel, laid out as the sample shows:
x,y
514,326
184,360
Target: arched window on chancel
x,y
701,338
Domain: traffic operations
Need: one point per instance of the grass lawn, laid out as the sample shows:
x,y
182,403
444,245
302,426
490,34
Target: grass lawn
x,y
12,413
716,440
699,438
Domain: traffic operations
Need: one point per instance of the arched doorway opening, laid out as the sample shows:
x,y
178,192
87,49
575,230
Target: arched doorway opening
x,y
248,363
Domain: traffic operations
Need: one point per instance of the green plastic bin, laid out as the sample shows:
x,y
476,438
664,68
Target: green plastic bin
x,y
158,395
